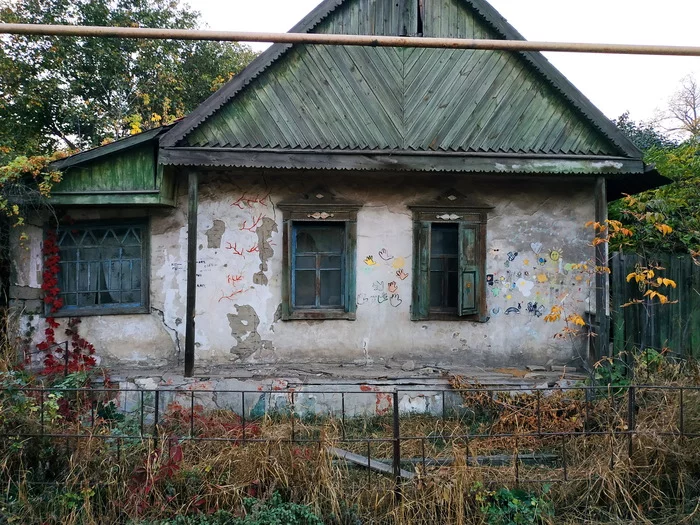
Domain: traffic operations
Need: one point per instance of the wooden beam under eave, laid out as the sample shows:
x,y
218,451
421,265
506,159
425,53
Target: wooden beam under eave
x,y
602,281
193,205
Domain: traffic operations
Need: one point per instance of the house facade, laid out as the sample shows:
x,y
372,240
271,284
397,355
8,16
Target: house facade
x,y
339,205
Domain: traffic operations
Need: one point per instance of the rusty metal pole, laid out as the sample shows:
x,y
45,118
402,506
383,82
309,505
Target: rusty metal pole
x,y
346,40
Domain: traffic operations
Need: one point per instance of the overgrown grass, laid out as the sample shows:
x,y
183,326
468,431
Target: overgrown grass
x,y
113,474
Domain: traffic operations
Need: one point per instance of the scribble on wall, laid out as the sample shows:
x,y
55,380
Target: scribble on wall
x,y
401,274
369,260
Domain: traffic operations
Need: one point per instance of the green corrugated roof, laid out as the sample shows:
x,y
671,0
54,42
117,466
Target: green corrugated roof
x,y
359,98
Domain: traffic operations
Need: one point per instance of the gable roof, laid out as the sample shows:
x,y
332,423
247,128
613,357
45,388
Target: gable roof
x,y
571,124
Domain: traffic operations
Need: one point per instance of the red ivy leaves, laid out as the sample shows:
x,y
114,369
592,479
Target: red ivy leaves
x,y
81,354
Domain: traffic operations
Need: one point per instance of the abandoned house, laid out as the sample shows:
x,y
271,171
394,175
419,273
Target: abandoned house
x,y
347,205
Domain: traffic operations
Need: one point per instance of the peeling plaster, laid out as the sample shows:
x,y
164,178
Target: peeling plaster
x,y
215,233
264,233
244,328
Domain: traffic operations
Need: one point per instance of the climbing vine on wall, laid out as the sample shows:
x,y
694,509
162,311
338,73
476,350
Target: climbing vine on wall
x,y
57,359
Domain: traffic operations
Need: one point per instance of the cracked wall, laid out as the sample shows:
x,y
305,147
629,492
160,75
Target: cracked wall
x,y
535,238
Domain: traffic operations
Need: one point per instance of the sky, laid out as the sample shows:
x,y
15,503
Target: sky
x,y
640,85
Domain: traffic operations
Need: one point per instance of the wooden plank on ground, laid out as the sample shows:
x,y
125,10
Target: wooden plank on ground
x,y
364,461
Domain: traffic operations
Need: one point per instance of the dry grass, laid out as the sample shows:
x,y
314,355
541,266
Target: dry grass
x,y
608,477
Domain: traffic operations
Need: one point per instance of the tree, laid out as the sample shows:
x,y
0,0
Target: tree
x,y
78,92
644,135
682,116
676,205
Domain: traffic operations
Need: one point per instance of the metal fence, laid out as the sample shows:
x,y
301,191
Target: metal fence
x,y
378,424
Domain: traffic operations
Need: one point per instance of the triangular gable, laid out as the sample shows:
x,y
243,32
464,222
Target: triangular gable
x,y
359,98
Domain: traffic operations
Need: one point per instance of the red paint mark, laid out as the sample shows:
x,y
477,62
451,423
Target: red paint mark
x,y
229,296
253,248
366,388
256,222
234,248
233,279
239,202
385,400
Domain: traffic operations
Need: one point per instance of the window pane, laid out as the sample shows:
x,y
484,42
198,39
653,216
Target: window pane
x,y
436,289
305,288
436,264
331,262
306,262
443,239
326,238
331,288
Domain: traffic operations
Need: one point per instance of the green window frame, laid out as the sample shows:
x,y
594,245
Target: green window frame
x,y
104,268
459,262
319,210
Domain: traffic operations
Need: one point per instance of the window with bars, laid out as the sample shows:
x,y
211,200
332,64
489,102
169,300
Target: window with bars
x,y
103,268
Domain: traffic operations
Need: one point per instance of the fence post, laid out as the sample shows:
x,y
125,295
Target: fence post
x,y
397,447
631,421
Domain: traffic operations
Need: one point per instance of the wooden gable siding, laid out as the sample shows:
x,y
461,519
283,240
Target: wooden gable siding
x,y
344,97
129,177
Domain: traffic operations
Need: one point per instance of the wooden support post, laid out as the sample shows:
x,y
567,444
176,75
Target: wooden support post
x,y
193,183
601,277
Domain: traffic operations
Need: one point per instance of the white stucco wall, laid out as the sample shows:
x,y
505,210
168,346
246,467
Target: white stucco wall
x,y
535,233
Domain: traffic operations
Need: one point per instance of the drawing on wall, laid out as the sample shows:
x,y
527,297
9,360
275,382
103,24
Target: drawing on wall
x,y
401,274
489,279
395,300
536,247
524,286
378,286
392,287
555,255
384,254
244,202
541,261
399,262
535,309
369,260
513,309
512,256
496,310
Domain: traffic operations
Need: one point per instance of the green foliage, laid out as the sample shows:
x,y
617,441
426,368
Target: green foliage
x,y
513,507
274,511
643,135
77,92
676,205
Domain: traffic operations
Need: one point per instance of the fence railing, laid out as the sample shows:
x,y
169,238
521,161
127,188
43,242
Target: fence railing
x,y
398,432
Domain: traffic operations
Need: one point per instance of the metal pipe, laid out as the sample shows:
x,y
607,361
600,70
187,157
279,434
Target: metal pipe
x,y
346,40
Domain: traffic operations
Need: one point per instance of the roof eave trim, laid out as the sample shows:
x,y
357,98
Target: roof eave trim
x,y
107,149
382,161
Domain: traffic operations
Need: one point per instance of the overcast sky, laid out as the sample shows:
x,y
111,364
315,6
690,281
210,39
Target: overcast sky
x,y
615,83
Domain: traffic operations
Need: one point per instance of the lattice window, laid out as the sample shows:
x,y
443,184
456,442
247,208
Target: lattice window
x,y
103,268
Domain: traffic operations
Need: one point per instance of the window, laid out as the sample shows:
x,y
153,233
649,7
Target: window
x,y
320,233
103,268
449,259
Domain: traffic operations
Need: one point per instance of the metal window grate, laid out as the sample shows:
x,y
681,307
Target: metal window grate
x,y
101,266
